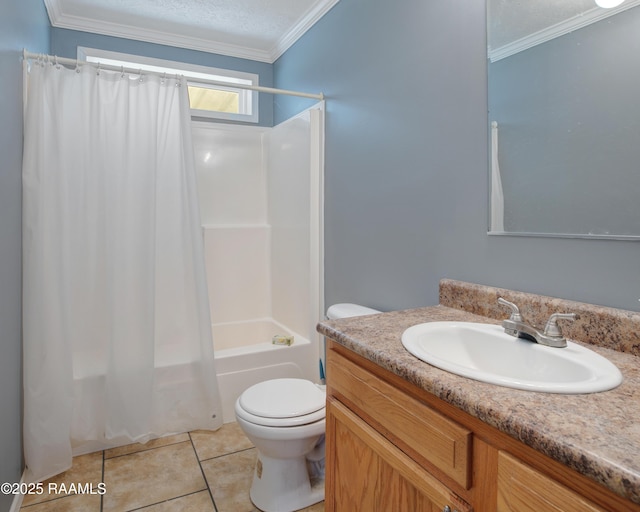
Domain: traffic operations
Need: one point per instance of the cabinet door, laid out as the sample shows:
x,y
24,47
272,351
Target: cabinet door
x,y
523,489
429,434
365,472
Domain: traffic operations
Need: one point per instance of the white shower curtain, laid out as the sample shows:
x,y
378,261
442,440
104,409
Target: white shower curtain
x,y
117,335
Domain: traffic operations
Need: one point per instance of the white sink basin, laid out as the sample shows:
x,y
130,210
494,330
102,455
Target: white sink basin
x,y
484,352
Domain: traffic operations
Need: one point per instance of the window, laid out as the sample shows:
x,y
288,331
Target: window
x,y
207,100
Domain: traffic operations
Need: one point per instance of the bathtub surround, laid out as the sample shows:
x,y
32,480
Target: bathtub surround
x,y
117,333
260,193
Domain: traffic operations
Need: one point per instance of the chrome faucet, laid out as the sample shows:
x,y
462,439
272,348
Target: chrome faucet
x,y
551,336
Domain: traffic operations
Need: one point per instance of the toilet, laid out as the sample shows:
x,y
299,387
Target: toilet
x,y
285,420
348,310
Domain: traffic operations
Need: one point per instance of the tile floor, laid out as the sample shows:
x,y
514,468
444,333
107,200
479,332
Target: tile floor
x,y
198,471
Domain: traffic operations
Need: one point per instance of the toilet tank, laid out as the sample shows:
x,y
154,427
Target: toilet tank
x,y
347,310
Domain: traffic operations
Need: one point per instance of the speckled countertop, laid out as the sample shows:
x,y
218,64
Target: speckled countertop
x,y
596,434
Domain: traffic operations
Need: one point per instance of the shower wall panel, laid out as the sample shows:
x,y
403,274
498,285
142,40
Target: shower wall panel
x,y
288,200
258,191
231,173
237,260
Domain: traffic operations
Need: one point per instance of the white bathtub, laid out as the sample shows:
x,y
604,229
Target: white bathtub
x,y
245,355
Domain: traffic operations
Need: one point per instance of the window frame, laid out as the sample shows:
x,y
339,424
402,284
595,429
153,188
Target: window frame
x,y
248,99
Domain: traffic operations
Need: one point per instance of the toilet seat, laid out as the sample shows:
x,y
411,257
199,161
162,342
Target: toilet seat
x,y
282,403
281,422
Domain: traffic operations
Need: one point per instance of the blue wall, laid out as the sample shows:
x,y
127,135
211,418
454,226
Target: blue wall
x,y
64,43
23,24
406,163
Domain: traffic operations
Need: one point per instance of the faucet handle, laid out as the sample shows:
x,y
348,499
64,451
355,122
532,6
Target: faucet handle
x,y
552,328
515,312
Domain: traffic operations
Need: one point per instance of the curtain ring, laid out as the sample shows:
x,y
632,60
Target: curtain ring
x,y
121,71
55,60
164,76
98,70
140,73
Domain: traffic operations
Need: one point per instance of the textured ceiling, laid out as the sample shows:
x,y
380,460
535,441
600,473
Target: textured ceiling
x,y
263,29
257,29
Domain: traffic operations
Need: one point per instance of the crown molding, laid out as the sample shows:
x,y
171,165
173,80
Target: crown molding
x,y
61,20
557,30
300,28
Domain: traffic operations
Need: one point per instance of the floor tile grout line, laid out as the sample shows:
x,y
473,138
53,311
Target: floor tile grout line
x,y
185,442
52,500
166,501
228,453
190,438
28,507
193,446
145,449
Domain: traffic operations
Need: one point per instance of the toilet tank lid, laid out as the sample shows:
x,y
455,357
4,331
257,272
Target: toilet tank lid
x,y
348,310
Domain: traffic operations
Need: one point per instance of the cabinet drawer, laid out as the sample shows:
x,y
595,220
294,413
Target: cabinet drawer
x,y
437,439
523,489
369,473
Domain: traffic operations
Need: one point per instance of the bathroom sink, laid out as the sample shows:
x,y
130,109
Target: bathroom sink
x,y
484,352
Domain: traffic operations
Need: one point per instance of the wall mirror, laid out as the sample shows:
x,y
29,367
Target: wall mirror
x,y
564,114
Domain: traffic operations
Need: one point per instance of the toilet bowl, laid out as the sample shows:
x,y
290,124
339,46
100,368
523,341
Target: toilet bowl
x,y
285,420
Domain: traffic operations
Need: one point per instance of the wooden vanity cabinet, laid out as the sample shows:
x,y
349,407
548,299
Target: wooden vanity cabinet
x,y
523,489
391,446
370,473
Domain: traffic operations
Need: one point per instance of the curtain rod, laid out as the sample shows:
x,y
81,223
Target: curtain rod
x,y
75,62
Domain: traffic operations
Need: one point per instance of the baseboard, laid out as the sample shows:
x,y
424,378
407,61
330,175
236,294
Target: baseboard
x,y
17,499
